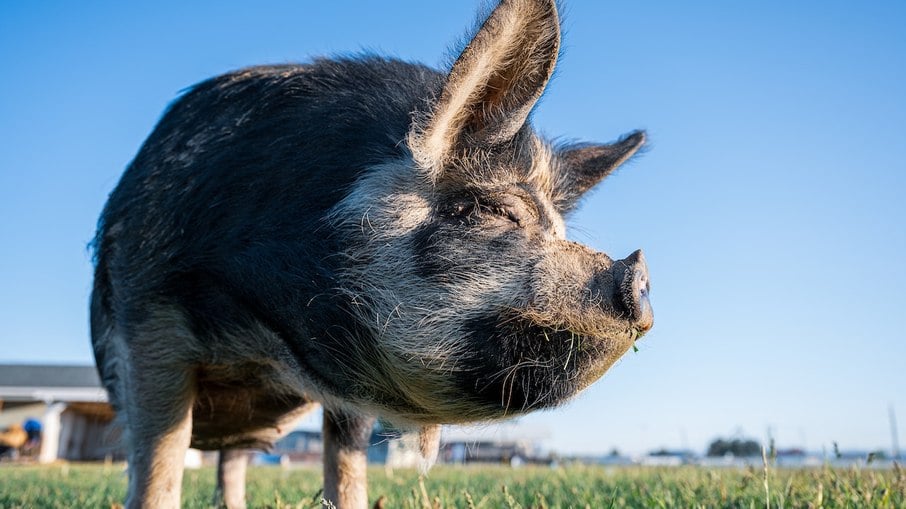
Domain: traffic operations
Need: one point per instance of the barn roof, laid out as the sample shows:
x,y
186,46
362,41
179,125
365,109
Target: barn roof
x,y
48,375
48,382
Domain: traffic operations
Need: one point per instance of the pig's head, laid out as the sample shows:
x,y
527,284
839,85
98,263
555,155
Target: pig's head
x,y
474,303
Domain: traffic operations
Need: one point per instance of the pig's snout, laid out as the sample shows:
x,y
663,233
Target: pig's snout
x,y
631,287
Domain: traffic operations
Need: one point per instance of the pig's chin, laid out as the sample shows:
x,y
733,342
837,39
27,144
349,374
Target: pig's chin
x,y
517,366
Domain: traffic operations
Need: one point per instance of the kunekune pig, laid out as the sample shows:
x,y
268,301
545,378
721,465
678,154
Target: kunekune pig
x,y
365,233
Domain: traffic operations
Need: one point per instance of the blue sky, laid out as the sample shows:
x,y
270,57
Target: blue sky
x,y
770,204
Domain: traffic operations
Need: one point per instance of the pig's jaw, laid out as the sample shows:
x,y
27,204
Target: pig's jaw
x,y
516,366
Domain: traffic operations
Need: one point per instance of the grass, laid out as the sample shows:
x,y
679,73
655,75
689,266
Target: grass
x,y
60,486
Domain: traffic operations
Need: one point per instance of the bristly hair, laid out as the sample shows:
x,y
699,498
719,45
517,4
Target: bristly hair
x,y
484,10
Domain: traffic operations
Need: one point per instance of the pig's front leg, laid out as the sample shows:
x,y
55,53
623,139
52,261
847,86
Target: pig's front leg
x,y
346,438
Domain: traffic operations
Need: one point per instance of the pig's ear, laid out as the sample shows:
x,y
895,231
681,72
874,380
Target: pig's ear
x,y
584,166
493,85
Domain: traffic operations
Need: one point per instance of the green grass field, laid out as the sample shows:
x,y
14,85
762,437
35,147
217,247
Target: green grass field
x,y
487,487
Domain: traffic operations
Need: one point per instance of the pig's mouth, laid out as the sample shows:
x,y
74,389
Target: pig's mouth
x,y
517,365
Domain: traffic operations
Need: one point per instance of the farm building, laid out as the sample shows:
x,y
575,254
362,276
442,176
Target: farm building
x,y
70,405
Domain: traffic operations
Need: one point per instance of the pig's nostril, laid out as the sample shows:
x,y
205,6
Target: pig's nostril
x,y
643,314
640,288
634,289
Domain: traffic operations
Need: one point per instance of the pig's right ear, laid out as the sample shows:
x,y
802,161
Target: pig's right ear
x,y
492,87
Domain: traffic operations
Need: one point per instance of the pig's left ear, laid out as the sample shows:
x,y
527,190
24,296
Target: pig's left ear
x,y
583,166
492,87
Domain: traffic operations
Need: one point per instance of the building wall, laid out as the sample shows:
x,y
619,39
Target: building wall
x,y
88,433
16,412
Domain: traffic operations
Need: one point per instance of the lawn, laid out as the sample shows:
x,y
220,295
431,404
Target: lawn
x,y
60,486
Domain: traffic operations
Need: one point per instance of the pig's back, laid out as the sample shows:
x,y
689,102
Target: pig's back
x,y
263,147
224,201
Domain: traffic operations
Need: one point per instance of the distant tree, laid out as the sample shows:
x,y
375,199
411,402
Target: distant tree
x,y
876,455
736,447
614,453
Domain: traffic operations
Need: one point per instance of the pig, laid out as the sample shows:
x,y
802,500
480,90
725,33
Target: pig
x,y
369,235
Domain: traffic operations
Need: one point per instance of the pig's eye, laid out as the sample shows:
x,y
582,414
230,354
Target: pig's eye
x,y
464,209
477,210
508,213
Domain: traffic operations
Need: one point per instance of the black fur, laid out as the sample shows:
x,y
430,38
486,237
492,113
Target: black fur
x,y
521,366
234,183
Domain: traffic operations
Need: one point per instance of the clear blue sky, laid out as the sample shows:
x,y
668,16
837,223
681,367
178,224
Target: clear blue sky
x,y
770,205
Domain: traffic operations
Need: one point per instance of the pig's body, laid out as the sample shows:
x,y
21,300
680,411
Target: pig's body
x,y
235,244
372,235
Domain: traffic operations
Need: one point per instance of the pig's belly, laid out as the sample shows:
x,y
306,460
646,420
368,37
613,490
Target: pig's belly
x,y
243,414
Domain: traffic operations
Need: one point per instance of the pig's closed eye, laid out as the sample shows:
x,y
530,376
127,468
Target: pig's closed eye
x,y
510,214
478,210
464,209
